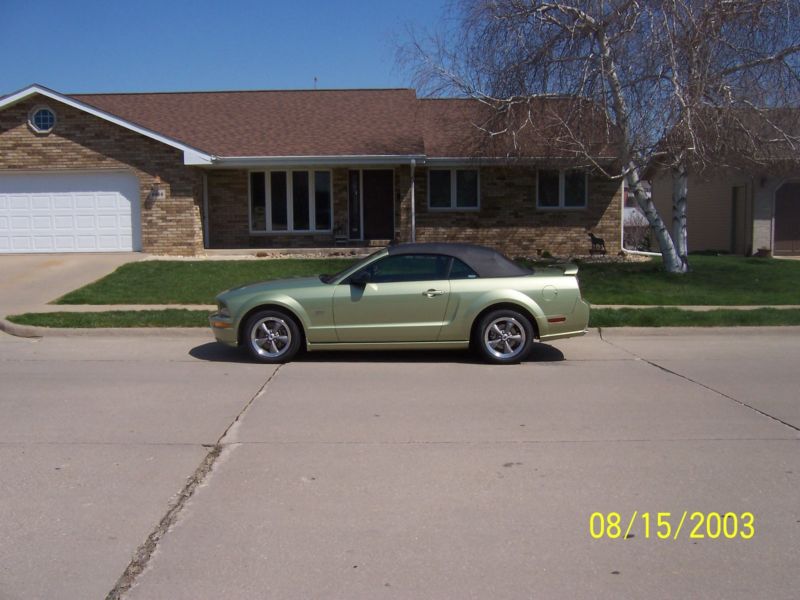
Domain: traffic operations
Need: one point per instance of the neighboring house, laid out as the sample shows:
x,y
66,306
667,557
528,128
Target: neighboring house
x,y
174,173
753,205
737,212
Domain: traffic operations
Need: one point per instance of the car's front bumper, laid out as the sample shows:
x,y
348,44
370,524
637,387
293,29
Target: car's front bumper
x,y
223,328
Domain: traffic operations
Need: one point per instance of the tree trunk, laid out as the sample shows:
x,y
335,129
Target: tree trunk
x,y
669,254
680,186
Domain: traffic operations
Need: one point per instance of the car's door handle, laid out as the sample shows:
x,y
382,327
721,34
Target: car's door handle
x,y
431,293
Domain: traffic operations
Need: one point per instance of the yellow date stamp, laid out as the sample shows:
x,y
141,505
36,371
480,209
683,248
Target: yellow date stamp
x,y
695,525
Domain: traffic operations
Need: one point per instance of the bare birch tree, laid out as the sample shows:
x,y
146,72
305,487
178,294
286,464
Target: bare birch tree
x,y
684,85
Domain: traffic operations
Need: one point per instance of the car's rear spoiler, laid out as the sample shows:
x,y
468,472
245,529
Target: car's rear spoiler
x,y
568,268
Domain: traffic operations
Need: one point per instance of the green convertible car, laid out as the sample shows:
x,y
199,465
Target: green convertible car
x,y
407,296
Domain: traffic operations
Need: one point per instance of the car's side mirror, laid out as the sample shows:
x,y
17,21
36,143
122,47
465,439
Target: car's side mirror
x,y
360,279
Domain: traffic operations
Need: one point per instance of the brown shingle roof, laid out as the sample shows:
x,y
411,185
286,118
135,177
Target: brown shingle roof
x,y
276,123
536,127
350,123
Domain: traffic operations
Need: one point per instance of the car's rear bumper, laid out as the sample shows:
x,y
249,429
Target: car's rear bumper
x,y
571,325
223,329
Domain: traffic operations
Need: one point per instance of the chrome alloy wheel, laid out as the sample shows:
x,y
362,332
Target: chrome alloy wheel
x,y
270,337
504,338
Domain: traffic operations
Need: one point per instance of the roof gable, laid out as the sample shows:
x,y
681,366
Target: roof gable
x,y
190,152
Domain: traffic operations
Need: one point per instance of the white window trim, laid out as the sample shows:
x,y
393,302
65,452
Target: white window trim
x,y
32,114
312,208
454,190
561,189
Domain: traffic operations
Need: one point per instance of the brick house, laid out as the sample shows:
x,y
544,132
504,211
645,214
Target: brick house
x,y
176,173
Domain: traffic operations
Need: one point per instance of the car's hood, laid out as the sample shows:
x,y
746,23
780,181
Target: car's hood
x,y
294,283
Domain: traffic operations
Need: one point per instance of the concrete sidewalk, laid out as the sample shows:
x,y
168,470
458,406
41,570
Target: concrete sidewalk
x,y
696,308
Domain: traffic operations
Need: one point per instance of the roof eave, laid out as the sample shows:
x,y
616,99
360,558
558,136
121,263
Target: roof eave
x,y
517,160
252,162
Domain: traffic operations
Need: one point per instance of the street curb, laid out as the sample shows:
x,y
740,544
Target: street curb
x,y
30,331
26,331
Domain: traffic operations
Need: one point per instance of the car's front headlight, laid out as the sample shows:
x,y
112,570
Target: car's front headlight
x,y
222,310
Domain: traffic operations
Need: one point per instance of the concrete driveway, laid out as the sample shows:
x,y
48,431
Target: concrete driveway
x,y
29,280
172,468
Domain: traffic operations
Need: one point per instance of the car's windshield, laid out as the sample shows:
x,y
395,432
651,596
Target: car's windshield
x,y
335,276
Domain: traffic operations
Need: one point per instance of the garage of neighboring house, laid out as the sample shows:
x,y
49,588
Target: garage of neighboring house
x,y
787,219
74,211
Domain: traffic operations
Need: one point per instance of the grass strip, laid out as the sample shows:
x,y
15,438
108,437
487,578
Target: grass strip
x,y
675,317
171,317
604,317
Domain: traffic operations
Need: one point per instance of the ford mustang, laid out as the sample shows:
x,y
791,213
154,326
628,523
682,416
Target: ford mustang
x,y
407,296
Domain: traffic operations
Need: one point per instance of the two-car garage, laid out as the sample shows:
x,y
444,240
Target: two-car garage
x,y
70,211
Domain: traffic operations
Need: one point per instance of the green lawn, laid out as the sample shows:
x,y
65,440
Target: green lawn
x,y
723,280
675,317
170,317
191,282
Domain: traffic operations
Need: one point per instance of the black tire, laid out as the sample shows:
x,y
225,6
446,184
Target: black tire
x,y
503,337
272,336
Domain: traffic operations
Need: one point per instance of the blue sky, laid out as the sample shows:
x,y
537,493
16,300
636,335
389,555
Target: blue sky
x,y
127,46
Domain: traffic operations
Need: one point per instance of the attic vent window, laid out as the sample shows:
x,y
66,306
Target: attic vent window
x,y
42,119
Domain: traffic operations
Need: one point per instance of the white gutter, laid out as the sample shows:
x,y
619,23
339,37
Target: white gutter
x,y
228,162
451,161
413,204
622,230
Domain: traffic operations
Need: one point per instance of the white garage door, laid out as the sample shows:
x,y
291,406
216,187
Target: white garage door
x,y
69,212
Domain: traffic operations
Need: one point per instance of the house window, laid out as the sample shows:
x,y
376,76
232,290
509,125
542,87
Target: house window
x,y
42,119
453,189
290,201
566,188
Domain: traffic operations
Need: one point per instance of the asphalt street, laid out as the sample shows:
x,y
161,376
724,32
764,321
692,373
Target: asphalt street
x,y
170,467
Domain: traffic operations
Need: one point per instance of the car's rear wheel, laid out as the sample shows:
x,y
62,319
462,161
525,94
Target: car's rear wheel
x,y
504,336
272,336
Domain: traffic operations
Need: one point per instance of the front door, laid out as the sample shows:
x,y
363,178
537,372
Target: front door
x,y
787,219
371,204
403,300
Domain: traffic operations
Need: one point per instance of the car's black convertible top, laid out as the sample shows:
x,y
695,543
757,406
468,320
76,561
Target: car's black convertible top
x,y
484,261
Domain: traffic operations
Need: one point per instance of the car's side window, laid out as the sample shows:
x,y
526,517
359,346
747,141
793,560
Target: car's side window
x,y
459,270
409,267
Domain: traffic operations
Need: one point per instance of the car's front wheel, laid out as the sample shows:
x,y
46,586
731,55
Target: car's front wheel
x,y
504,336
272,336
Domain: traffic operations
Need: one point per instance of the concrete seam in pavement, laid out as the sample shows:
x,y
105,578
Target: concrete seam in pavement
x,y
144,552
703,385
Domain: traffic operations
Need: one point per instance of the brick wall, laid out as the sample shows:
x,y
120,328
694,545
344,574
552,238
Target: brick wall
x,y
82,141
507,220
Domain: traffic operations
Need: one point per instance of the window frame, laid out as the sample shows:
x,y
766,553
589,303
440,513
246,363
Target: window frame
x,y
312,207
454,190
562,189
32,116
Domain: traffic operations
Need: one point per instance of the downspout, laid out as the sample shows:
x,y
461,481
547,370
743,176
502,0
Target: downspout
x,y
206,226
622,227
413,204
